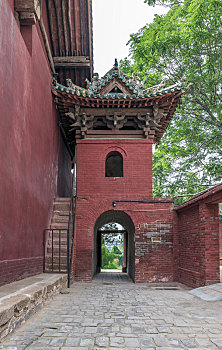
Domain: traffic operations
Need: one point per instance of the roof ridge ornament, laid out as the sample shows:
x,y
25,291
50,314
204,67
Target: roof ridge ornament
x,y
118,103
116,85
116,65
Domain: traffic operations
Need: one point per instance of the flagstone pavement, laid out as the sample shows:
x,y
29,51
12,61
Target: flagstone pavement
x,y
121,315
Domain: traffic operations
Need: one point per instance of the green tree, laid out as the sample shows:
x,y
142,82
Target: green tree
x,y
163,2
110,237
118,255
185,44
108,259
116,250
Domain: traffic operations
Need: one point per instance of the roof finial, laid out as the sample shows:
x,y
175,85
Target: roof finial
x,y
115,64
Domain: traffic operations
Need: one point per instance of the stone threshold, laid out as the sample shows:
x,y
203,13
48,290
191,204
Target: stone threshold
x,y
21,299
213,292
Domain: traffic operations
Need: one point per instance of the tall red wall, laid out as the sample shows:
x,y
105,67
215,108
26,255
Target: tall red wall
x,y
31,148
95,195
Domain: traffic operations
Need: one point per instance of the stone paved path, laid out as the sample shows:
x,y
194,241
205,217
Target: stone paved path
x,y
114,276
122,316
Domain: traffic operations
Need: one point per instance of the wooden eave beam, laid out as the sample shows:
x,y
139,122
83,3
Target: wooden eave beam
x,y
71,61
29,11
72,65
110,111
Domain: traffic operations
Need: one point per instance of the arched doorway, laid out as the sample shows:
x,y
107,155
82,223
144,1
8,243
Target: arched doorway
x,y
125,221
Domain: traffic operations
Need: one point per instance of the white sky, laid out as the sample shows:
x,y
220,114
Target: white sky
x,y
113,22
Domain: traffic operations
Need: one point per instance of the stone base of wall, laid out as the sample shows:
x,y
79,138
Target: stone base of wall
x,y
19,304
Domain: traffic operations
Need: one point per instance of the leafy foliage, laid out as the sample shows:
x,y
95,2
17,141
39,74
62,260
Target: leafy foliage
x,y
186,43
108,259
110,237
116,250
163,2
113,259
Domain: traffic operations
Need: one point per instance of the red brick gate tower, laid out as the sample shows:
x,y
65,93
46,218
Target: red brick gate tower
x,y
113,125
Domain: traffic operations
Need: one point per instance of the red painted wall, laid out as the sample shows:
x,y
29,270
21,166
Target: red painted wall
x,y
30,149
191,251
95,195
137,169
188,249
220,236
154,260
198,230
11,4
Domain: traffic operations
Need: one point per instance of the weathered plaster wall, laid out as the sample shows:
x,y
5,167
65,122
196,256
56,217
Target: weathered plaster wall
x,y
30,148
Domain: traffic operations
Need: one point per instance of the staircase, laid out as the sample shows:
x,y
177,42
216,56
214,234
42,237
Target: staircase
x,y
56,237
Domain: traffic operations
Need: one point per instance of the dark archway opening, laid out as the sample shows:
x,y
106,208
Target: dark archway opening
x,y
114,165
121,218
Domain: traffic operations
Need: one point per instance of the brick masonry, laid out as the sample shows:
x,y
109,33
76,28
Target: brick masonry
x,y
220,235
16,269
198,233
164,244
152,238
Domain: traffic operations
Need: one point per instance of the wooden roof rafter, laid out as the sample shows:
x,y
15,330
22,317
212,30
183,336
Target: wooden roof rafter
x,y
70,31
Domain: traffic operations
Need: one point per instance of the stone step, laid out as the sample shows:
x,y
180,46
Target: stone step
x,y
59,225
25,297
56,232
68,201
63,265
63,246
56,270
63,260
63,250
60,219
62,199
59,206
63,242
61,212
63,239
